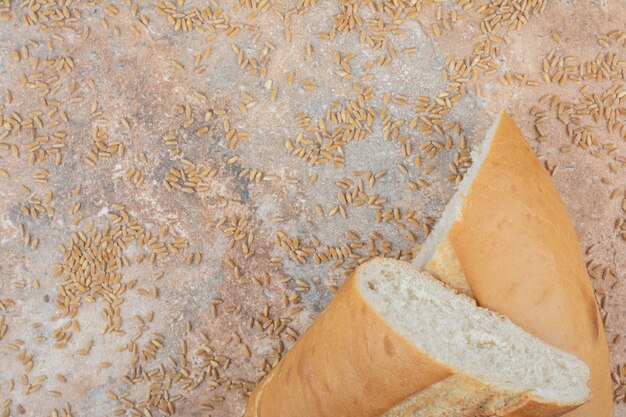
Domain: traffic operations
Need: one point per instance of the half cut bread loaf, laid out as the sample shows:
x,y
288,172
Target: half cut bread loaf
x,y
506,239
396,342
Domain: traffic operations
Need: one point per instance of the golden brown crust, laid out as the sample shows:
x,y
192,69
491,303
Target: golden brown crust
x,y
348,363
520,255
458,396
352,363
536,409
462,396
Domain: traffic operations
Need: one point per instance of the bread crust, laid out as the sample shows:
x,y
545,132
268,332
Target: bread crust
x,y
352,363
349,362
462,396
518,250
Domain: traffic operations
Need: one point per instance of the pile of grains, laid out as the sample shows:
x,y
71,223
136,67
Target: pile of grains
x,y
185,184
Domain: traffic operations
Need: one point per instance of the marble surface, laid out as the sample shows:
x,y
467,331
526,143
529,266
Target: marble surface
x,y
184,184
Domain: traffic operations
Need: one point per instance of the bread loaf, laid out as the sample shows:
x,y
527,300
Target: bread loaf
x,y
506,239
396,342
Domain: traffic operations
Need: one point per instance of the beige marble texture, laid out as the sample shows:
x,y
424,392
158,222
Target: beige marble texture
x,y
237,158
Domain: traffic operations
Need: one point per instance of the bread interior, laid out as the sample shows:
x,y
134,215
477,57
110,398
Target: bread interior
x,y
454,331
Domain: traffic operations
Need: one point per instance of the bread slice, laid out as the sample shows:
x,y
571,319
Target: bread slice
x,y
506,239
396,342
